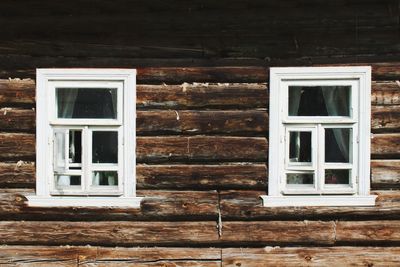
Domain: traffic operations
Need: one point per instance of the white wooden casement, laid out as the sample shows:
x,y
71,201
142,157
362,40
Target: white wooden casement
x,y
48,155
356,192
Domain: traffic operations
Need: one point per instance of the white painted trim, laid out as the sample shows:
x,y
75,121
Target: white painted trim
x,y
318,201
82,201
125,81
357,77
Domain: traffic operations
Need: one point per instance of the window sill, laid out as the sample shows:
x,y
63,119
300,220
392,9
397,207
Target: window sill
x,y
318,201
76,201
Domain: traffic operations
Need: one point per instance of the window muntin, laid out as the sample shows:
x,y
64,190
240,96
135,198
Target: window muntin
x,y
332,104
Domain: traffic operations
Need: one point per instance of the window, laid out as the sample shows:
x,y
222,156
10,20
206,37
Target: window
x,y
85,138
319,138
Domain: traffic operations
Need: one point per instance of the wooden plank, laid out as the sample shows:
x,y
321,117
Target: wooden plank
x,y
247,205
117,233
368,232
94,256
385,174
202,122
278,232
156,205
306,256
244,176
201,148
385,93
202,95
385,145
17,174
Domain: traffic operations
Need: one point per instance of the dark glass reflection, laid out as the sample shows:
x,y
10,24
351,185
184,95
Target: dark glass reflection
x,y
319,100
67,180
300,147
107,178
337,176
75,146
337,144
86,103
105,147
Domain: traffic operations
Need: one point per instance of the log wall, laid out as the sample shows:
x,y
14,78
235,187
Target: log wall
x,y
202,131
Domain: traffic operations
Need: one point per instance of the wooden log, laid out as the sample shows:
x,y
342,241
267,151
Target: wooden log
x,y
19,146
156,205
385,93
243,176
278,232
203,95
385,118
385,146
94,256
118,233
202,122
234,122
17,119
18,174
368,232
247,205
385,174
194,95
202,74
201,148
316,256
17,91
179,176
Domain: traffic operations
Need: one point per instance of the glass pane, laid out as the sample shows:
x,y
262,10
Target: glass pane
x,y
337,144
337,176
300,147
59,151
319,100
109,178
300,178
81,103
105,147
75,146
67,180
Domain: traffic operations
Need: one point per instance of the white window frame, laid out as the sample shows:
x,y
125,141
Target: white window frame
x,y
357,193
123,195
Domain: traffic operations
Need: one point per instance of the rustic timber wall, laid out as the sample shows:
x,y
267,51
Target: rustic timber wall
x,y
202,131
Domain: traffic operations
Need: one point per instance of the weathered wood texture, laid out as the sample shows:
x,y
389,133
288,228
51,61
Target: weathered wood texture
x,y
103,256
192,148
316,256
156,205
385,174
118,233
247,205
194,95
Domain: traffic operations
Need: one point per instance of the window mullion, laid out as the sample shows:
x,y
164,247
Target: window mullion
x,y
321,157
86,148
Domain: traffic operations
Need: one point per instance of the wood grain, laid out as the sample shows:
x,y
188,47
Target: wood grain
x,y
156,205
247,205
385,174
104,256
278,232
316,256
118,233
